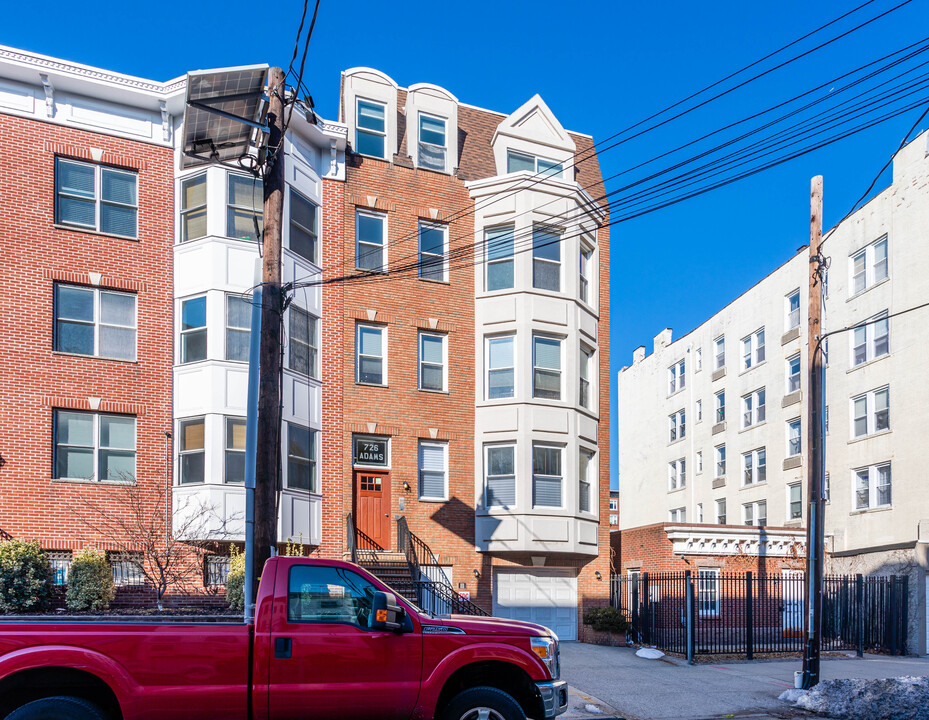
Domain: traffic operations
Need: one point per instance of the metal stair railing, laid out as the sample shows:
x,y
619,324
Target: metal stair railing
x,y
358,540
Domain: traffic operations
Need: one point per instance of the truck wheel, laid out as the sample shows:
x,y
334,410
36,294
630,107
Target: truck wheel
x,y
483,703
57,708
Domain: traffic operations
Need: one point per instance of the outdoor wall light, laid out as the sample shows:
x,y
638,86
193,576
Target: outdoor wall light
x,y
598,575
476,574
406,486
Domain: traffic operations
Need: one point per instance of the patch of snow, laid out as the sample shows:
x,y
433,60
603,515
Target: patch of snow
x,y
649,653
593,709
901,698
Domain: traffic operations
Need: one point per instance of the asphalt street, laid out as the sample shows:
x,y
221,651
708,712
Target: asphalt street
x,y
630,687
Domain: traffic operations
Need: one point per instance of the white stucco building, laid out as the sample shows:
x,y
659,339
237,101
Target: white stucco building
x,y
712,426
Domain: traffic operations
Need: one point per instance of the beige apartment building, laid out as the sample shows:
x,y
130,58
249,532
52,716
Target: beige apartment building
x,y
712,426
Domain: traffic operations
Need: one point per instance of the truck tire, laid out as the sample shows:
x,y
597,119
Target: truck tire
x,y
483,703
57,708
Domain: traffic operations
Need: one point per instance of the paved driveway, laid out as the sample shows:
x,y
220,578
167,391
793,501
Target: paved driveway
x,y
672,690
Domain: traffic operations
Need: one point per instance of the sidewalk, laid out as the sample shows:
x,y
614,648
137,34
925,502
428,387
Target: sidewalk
x,y
630,687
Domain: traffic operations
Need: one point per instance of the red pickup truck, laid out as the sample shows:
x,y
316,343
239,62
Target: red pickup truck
x,y
329,641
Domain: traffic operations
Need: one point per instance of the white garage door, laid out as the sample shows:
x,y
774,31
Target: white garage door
x,y
547,597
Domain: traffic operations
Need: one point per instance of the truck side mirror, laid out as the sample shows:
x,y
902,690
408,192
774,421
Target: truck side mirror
x,y
386,614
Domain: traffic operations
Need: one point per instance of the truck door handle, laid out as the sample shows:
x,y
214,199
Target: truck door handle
x,y
283,646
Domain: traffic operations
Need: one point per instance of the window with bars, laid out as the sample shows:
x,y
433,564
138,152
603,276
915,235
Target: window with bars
x,y
60,563
215,570
708,595
95,322
500,476
127,568
546,476
97,198
433,470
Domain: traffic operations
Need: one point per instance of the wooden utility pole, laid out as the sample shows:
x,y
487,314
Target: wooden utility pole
x,y
814,442
269,390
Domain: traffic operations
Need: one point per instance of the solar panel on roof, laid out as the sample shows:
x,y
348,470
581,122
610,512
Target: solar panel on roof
x,y
224,114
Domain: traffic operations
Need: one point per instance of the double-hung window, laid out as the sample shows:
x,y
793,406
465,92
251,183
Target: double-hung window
x,y
584,268
584,473
238,327
721,406
304,231
872,486
301,458
371,128
244,208
501,370
677,425
721,461
753,408
193,329
719,346
500,475
371,355
546,475
234,470
869,266
708,594
432,251
753,349
793,310
370,240
546,259
90,321
433,470
94,446
584,398
871,340
432,361
678,515
499,258
193,208
871,412
677,474
794,442
721,511
793,373
677,377
794,501
755,467
432,142
98,198
303,343
755,513
191,451
546,367
699,410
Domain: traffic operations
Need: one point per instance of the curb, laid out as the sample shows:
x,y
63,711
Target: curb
x,y
582,706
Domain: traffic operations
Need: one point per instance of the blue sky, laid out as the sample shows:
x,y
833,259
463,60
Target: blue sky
x,y
601,67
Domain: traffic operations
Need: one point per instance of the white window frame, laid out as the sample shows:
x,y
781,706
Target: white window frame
x,y
97,321
792,314
698,360
183,452
535,476
699,411
97,448
487,448
585,383
614,504
536,367
585,260
541,164
677,377
255,211
443,228
753,349
422,363
313,233
699,462
719,352
500,234
677,474
97,198
488,341
587,481
375,215
708,592
721,517
383,357
720,461
538,230
677,426
370,131
193,330
187,212
720,406
872,273
794,438
677,515
754,472
869,329
421,142
312,461
434,444
753,411
228,422
793,378
230,299
872,489
751,514
795,507
871,412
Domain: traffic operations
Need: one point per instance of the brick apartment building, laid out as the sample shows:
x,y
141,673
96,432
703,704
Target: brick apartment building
x,y
473,362
88,219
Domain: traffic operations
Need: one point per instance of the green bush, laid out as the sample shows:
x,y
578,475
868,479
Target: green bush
x,y
235,580
90,582
25,576
608,619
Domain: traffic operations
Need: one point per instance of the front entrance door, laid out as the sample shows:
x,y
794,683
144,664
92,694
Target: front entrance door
x,y
372,506
792,584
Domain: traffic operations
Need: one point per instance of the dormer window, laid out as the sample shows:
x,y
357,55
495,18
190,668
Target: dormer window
x,y
432,143
370,128
516,161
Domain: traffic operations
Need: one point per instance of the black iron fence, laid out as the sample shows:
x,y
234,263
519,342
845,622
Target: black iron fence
x,y
712,613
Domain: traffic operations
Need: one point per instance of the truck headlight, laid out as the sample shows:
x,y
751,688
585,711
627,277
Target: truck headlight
x,y
547,650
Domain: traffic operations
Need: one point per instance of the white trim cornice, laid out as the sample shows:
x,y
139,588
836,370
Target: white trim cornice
x,y
747,540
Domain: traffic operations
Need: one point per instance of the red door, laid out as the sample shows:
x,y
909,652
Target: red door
x,y
372,506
